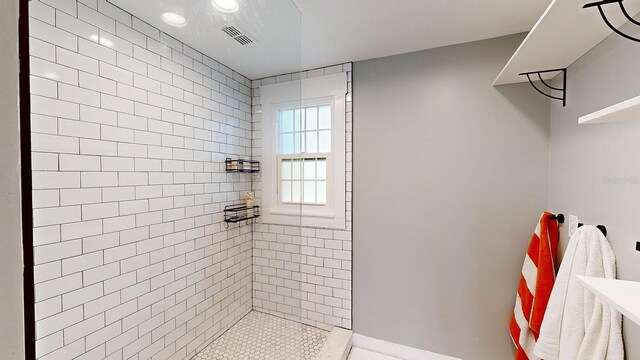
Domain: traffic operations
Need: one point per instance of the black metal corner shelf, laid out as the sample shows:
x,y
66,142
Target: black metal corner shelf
x,y
242,166
240,212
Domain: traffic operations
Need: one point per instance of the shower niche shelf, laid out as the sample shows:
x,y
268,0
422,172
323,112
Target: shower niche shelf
x,y
242,166
622,295
234,214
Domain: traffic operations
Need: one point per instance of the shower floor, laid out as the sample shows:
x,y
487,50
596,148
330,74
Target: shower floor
x,y
262,336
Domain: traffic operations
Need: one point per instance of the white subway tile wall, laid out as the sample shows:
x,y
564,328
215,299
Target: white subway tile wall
x,y
303,273
130,132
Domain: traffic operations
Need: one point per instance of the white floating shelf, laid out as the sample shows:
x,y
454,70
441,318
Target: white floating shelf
x,y
561,36
624,111
620,294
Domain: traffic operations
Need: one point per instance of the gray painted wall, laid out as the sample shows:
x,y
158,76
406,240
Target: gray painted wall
x,y
595,169
450,176
11,314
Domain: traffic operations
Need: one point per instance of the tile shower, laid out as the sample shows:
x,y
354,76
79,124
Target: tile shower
x,y
130,131
304,273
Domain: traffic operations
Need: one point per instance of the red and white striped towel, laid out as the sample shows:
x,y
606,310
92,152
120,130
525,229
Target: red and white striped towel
x,y
536,283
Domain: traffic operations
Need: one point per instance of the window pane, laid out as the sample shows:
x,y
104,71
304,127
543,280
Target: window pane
x,y
310,169
296,191
297,143
297,170
286,191
286,121
286,170
309,192
325,141
312,142
304,181
312,118
322,169
297,121
286,144
322,192
324,117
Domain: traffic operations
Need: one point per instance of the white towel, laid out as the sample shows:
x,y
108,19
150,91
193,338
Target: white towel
x,y
577,325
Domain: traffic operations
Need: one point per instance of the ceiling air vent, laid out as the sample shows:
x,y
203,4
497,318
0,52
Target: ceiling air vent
x,y
235,33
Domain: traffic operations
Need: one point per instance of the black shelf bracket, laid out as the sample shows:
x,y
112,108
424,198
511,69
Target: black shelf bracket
x,y
599,4
552,89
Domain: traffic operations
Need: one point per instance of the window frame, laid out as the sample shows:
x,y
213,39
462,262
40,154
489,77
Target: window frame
x,y
324,90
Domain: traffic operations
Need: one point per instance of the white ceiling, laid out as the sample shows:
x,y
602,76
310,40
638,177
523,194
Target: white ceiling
x,y
273,24
366,29
335,31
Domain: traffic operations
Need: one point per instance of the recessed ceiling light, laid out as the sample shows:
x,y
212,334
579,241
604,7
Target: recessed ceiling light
x,y
174,19
226,6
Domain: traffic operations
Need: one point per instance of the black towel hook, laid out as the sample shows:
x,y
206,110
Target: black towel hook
x,y
602,228
558,217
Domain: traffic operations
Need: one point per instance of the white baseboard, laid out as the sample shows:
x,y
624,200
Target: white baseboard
x,y
397,350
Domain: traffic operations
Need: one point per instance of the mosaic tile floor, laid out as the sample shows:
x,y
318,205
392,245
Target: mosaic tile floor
x,y
260,336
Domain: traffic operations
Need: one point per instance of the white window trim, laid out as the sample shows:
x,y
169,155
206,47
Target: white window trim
x,y
310,92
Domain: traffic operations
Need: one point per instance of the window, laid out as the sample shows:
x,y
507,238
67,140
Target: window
x,y
303,160
304,150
